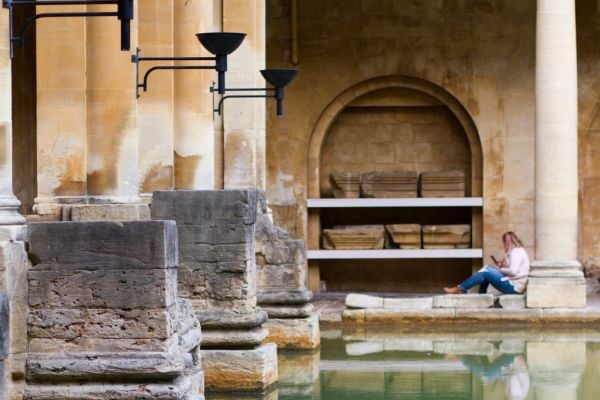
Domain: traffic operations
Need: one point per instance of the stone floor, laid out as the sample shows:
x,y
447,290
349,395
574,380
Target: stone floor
x,y
332,311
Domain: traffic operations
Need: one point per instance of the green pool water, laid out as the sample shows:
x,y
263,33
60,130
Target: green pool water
x,y
377,364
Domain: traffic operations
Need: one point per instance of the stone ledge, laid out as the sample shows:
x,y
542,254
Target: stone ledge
x,y
463,301
492,316
512,301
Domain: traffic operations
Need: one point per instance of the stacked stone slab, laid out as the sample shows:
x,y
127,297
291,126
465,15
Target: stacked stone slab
x,y
393,184
217,272
446,236
281,280
345,185
354,237
105,320
443,184
405,236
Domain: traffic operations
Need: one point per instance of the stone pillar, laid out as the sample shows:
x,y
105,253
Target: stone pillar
x,y
244,119
218,274
61,111
155,107
111,119
193,117
281,286
13,260
556,277
105,319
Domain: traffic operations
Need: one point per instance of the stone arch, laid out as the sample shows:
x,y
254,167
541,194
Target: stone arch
x,y
337,106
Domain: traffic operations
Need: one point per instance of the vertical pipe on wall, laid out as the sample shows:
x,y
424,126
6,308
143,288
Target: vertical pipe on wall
x,y
294,32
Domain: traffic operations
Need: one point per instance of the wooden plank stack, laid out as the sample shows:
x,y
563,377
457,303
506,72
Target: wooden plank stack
x,y
405,236
345,185
446,236
389,184
443,184
354,237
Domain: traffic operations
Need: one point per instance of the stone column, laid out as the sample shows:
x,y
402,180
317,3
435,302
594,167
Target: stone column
x,y
194,128
556,277
61,112
105,319
13,260
281,286
218,274
111,120
244,119
155,107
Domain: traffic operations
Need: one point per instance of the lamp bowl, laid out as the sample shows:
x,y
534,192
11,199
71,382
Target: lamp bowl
x,y
279,76
221,43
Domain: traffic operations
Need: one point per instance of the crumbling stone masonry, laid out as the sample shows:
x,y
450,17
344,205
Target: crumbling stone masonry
x,y
217,272
281,284
105,320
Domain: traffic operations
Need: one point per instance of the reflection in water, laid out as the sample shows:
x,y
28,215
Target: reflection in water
x,y
382,365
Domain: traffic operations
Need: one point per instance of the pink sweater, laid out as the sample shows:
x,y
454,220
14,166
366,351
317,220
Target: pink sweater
x,y
516,268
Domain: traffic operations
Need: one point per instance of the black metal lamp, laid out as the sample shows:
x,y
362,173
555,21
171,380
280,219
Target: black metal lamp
x,y
221,44
278,78
124,12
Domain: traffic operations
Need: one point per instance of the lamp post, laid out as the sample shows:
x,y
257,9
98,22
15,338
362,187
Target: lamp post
x,y
124,12
221,44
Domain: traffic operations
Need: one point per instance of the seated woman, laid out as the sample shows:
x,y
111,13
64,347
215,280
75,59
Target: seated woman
x,y
509,275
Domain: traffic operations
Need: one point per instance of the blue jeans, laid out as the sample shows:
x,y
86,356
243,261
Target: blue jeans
x,y
486,276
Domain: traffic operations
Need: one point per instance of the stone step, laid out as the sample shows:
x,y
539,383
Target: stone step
x,y
355,300
420,303
512,301
464,301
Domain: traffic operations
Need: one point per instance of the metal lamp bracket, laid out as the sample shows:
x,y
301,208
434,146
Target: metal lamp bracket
x,y
125,11
218,107
135,58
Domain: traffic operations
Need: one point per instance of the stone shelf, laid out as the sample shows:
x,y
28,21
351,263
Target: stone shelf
x,y
393,254
404,202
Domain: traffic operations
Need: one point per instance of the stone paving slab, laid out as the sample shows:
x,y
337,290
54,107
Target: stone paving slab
x,y
463,301
408,303
354,300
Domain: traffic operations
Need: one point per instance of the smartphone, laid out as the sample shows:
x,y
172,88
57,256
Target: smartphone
x,y
494,260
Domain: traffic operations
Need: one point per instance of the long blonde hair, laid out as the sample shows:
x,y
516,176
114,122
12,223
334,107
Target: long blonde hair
x,y
511,239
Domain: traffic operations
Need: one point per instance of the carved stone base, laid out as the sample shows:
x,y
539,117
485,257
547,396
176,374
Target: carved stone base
x,y
294,333
252,370
556,285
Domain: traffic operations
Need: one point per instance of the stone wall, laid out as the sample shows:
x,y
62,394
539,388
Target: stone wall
x,y
104,314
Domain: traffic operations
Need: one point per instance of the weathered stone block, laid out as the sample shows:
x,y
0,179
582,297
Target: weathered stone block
x,y
102,323
288,296
143,288
201,207
208,253
354,300
556,293
240,370
512,301
97,367
109,212
233,338
96,345
103,245
280,276
294,333
345,184
416,303
300,311
359,237
215,234
464,301
395,184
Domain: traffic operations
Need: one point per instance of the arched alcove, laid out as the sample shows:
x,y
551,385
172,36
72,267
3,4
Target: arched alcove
x,y
393,123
